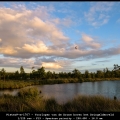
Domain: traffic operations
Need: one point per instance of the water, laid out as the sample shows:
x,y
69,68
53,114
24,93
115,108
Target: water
x,y
64,92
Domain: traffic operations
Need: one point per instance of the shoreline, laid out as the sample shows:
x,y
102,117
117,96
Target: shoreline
x,y
17,84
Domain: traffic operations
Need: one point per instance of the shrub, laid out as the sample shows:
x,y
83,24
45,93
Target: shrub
x,y
28,93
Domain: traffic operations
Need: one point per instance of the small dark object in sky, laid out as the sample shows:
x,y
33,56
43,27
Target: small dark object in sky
x,y
115,97
76,47
33,67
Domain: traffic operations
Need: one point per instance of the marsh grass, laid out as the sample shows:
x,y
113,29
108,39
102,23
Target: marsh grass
x,y
30,100
28,93
16,84
60,80
92,103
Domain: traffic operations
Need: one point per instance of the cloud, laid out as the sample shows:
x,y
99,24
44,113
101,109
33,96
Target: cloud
x,y
32,34
50,59
86,38
27,63
51,65
98,13
103,61
7,50
47,30
39,60
118,21
90,42
28,31
53,62
35,48
64,22
16,62
94,64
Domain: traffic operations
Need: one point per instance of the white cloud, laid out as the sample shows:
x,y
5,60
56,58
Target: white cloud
x,y
90,42
118,21
28,29
66,22
51,65
98,13
86,38
35,48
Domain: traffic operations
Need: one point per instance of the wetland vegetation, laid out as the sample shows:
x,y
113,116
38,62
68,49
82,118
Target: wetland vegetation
x,y
30,100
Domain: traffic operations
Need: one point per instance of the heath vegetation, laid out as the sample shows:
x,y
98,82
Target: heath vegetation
x,y
31,100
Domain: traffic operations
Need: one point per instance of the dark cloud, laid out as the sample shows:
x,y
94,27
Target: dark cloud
x,y
15,62
103,61
94,64
38,61
50,59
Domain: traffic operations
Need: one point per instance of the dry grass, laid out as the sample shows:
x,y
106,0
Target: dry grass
x,y
29,100
16,84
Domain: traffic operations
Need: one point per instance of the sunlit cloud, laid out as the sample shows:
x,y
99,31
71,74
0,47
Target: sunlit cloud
x,y
86,38
51,65
7,50
35,48
44,35
32,32
90,41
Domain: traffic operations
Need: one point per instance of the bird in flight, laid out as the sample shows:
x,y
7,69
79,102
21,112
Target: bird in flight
x,y
75,47
33,67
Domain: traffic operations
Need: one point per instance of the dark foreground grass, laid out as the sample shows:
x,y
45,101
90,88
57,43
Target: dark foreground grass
x,y
30,100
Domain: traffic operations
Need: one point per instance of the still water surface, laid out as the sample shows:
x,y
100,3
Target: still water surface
x,y
65,92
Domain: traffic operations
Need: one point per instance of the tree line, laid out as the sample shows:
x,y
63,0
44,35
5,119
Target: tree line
x,y
41,74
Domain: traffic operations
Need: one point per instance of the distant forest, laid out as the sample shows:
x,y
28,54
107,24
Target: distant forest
x,y
41,74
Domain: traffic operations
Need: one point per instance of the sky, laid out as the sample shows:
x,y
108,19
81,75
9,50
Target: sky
x,y
46,34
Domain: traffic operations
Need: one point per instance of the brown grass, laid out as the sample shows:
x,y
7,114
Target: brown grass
x,y
30,100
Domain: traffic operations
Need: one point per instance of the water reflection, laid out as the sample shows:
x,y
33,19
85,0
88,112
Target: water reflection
x,y
65,92
9,92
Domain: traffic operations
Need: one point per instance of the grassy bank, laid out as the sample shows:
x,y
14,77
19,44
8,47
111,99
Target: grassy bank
x,y
30,100
16,84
